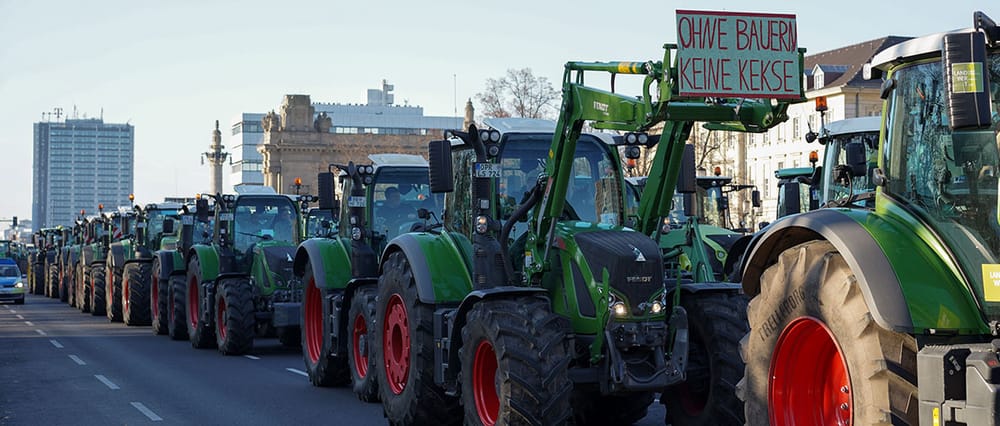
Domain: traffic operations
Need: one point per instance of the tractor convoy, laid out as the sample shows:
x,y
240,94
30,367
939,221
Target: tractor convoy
x,y
515,276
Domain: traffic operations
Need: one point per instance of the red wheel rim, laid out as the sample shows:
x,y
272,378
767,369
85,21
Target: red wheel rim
x,y
220,319
396,344
809,381
313,322
193,302
359,338
484,389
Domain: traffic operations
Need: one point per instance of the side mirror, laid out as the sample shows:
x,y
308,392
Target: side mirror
x,y
755,198
790,193
326,224
168,226
856,159
202,210
423,214
440,170
326,189
966,80
687,181
723,203
689,204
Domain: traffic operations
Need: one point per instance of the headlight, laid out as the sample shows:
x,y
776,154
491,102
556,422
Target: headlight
x,y
356,233
619,309
19,285
656,307
481,223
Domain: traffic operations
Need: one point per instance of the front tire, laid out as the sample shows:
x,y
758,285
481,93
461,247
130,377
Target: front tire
x,y
201,333
83,288
176,310
814,355
717,322
135,294
158,299
360,335
404,352
234,317
113,294
97,287
515,364
323,368
52,282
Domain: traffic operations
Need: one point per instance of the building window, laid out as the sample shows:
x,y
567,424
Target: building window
x,y
795,128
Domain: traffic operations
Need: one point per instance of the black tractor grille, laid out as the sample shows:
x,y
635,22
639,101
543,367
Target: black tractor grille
x,y
279,261
632,260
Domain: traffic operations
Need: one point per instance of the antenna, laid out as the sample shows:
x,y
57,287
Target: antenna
x,y
58,112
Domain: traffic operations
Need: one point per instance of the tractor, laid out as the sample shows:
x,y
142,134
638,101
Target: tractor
x,y
551,310
90,273
169,270
241,284
888,311
131,259
382,199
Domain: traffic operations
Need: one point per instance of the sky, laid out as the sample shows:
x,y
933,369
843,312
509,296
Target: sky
x,y
171,68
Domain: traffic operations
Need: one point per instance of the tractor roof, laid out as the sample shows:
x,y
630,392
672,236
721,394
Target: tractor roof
x,y
926,46
401,160
854,125
793,172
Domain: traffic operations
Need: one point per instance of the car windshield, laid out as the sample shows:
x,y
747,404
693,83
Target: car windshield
x,y
314,222
9,271
947,178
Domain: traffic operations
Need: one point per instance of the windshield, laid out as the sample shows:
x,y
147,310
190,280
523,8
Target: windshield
x,y
256,218
836,154
948,179
397,194
9,271
314,222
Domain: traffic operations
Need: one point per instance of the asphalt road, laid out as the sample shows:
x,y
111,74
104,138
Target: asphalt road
x,y
59,366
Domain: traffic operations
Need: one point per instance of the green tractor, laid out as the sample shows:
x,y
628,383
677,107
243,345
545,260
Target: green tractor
x,y
889,312
131,259
91,269
241,284
38,275
121,226
168,277
553,311
382,200
68,252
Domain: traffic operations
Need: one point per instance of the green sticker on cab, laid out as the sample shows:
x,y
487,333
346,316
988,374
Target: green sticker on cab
x,y
967,77
991,282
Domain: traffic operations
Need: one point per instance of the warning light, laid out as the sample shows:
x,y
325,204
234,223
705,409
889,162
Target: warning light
x,y
717,171
821,103
131,197
298,181
630,163
813,157
100,207
82,212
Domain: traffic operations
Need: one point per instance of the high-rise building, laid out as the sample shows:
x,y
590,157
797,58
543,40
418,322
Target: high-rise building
x,y
245,161
78,164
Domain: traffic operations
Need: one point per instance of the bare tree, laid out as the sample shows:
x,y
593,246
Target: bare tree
x,y
706,143
518,94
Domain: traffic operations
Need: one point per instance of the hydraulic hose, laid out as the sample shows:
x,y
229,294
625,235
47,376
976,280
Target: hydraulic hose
x,y
517,215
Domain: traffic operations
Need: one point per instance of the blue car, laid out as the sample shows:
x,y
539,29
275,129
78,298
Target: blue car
x,y
11,286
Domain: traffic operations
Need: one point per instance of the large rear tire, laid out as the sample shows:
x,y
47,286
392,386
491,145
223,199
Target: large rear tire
x,y
52,282
323,368
717,322
234,316
360,334
199,330
814,355
63,284
404,352
113,293
515,364
158,299
176,309
97,288
83,288
135,294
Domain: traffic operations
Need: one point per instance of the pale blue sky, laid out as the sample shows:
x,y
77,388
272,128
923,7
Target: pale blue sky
x,y
173,68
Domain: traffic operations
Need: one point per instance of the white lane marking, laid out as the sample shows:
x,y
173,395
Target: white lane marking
x,y
149,413
11,310
251,357
40,332
29,323
56,343
299,372
106,382
77,360
19,316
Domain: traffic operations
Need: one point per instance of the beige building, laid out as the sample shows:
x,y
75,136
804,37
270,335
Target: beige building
x,y
298,143
836,74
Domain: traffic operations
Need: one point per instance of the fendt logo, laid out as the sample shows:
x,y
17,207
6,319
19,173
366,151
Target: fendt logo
x,y
600,106
639,279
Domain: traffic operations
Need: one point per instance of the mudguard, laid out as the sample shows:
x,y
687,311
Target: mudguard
x,y
117,255
864,238
735,258
329,259
446,279
208,260
167,265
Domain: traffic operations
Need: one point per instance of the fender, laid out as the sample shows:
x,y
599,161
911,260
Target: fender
x,y
167,265
851,233
450,375
208,260
117,255
735,257
694,288
445,280
329,259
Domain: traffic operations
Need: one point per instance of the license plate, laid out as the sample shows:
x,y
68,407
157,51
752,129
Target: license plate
x,y
487,170
225,216
187,220
355,201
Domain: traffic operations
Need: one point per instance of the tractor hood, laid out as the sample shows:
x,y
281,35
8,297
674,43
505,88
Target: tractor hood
x,y
279,263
